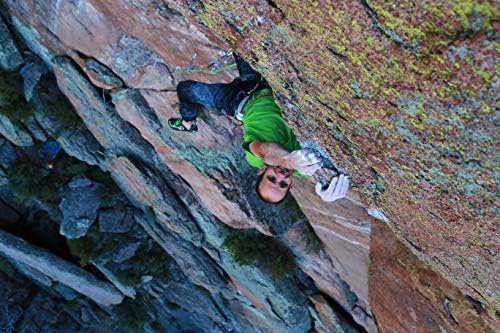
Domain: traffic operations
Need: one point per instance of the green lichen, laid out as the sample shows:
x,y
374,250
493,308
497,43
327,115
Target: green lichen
x,y
4,262
418,24
278,36
32,184
249,247
129,277
92,245
313,242
132,314
148,260
13,105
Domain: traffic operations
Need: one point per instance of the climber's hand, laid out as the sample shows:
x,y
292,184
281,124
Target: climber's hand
x,y
336,190
306,161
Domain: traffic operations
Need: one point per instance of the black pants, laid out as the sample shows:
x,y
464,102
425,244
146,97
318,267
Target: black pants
x,y
224,97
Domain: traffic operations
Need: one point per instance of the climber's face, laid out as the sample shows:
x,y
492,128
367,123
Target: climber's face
x,y
275,182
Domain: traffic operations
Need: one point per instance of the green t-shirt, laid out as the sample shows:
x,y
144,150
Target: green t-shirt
x,y
263,122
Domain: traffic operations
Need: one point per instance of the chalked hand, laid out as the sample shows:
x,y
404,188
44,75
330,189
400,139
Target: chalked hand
x,y
336,190
306,161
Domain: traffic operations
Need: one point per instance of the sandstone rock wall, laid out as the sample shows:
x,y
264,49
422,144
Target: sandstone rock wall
x,y
342,71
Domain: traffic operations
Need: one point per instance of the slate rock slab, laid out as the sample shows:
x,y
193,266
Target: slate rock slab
x,y
32,273
115,220
7,153
3,178
31,74
14,132
103,75
10,58
10,210
125,252
79,205
59,270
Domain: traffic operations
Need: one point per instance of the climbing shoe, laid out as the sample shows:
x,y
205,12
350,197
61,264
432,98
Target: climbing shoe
x,y
176,124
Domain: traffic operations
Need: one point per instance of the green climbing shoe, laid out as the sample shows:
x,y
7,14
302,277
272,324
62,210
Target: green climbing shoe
x,y
176,124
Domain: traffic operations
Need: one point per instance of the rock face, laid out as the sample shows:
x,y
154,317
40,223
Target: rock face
x,y
344,71
79,205
31,73
27,307
14,132
430,304
10,57
401,95
58,270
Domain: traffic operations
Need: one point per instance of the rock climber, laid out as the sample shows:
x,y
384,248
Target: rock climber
x,y
269,144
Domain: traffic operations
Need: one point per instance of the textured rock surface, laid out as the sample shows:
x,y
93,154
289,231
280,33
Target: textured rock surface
x,y
115,220
10,57
430,304
402,103
344,229
27,307
31,73
58,270
401,95
14,132
79,205
329,320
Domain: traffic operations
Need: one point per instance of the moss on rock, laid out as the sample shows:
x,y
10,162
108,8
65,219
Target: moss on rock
x,y
249,247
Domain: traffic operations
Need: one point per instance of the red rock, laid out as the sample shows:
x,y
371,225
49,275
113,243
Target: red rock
x,y
326,313
407,296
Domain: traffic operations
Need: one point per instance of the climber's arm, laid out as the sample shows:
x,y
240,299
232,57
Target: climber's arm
x,y
271,153
306,161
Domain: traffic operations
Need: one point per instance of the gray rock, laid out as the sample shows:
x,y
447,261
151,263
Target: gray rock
x,y
14,132
31,74
78,143
283,299
3,178
192,260
104,74
76,228
88,315
85,315
8,200
32,273
81,145
39,316
79,181
113,278
125,252
35,129
79,205
31,38
146,279
7,153
107,125
10,58
9,316
59,270
66,292
115,220
7,214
